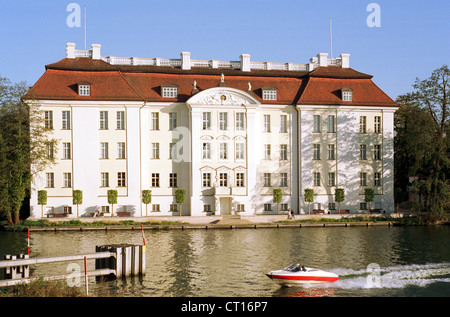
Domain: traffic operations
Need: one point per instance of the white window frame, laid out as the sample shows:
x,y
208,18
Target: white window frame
x,y
206,120
50,180
120,116
206,151
67,151
121,150
267,180
266,123
121,179
223,121
283,123
155,151
104,179
154,121
169,92
239,123
65,120
104,150
172,120
103,120
84,90
270,94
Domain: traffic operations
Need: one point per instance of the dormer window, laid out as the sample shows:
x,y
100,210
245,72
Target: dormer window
x,y
169,91
347,94
84,88
269,93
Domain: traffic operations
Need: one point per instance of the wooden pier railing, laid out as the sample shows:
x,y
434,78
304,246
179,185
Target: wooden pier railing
x,y
119,260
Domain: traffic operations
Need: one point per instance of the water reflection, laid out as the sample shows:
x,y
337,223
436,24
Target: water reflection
x,y
233,262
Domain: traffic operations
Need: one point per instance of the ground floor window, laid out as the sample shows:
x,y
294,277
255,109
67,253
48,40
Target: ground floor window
x,y
267,207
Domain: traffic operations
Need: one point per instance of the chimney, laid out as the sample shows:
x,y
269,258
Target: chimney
x,y
345,60
95,51
70,50
185,60
323,59
245,62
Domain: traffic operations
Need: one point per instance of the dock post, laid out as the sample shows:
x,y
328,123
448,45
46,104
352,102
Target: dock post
x,y
129,259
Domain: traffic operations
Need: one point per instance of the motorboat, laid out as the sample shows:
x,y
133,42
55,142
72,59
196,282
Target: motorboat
x,y
296,274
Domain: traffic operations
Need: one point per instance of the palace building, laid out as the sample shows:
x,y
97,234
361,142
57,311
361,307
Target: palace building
x,y
227,132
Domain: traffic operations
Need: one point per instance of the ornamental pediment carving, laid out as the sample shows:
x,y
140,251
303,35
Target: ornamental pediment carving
x,y
222,96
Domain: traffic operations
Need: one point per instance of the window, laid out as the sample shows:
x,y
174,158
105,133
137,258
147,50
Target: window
x,y
239,123
103,120
331,124
105,209
84,90
50,150
121,150
172,151
104,179
363,152
377,124
362,124
240,151
266,123
206,208
362,179
155,179
316,123
121,179
104,150
283,123
267,179
267,207
155,121
66,120
284,207
172,120
240,207
50,180
316,151
331,152
331,179
173,207
363,205
173,181
283,152
223,155
155,150
347,95
283,180
332,206
267,151
169,92
206,120
67,209
270,94
239,179
377,179
67,153
120,120
155,208
316,179
48,119
223,121
377,152
223,179
206,179
206,151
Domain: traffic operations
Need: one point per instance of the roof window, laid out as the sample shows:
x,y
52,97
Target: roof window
x,y
169,91
347,94
84,88
269,93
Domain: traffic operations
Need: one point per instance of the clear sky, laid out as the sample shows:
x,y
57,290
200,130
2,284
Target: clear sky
x,y
412,39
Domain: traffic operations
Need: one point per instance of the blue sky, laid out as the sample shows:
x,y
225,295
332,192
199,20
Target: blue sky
x,y
412,40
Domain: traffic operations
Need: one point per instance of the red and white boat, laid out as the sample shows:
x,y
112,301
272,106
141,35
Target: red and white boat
x,y
296,274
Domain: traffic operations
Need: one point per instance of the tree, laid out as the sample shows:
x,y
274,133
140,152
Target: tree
x,y
23,147
180,195
309,198
42,200
339,196
277,196
146,198
112,199
77,197
426,110
398,196
369,195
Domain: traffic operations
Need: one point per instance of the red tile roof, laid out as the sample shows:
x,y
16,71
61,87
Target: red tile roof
x,y
138,83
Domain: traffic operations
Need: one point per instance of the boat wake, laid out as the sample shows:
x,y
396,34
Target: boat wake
x,y
393,277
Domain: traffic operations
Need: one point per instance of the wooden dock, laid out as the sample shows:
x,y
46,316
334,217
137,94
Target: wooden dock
x,y
117,260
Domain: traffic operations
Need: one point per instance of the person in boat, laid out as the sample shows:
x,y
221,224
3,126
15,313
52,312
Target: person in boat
x,y
303,269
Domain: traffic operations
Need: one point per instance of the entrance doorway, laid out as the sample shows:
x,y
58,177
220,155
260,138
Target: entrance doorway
x,y
225,205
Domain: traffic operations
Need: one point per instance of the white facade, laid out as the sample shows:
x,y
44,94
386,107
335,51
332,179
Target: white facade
x,y
223,146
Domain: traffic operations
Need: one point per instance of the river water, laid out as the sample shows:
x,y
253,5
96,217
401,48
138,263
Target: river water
x,y
371,261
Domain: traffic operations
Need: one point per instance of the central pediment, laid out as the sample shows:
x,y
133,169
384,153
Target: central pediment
x,y
222,96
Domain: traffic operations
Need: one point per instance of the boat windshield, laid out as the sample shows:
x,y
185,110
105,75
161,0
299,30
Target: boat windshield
x,y
295,268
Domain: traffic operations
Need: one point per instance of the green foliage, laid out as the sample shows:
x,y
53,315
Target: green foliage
x,y
112,196
147,196
309,197
277,196
339,196
180,195
422,144
42,197
77,196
